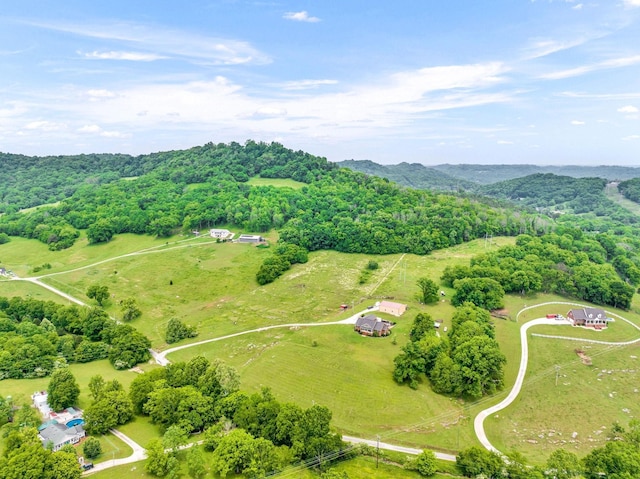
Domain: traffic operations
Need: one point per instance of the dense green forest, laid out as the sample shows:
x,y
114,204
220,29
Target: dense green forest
x,y
27,181
572,264
206,186
38,336
467,362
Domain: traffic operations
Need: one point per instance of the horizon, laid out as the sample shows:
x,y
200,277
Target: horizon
x,y
510,83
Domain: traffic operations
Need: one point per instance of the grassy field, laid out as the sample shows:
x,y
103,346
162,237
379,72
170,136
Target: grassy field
x,y
614,194
584,399
213,285
22,389
277,182
214,288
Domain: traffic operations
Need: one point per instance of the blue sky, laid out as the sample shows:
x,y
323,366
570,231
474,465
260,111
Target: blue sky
x,y
506,81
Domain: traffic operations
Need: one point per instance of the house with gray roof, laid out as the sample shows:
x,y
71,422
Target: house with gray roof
x,y
371,325
59,435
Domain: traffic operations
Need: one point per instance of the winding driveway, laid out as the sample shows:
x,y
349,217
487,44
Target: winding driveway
x,y
478,423
161,358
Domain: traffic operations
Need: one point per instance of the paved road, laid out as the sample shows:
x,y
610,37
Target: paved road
x,y
392,447
138,454
478,423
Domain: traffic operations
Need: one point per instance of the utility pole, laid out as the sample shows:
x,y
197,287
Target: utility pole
x,y
377,450
557,373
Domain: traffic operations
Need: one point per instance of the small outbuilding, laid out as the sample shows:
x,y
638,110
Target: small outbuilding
x,y
389,307
250,239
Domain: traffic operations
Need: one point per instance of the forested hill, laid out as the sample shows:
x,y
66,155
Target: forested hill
x,y
27,181
413,175
207,186
486,174
554,194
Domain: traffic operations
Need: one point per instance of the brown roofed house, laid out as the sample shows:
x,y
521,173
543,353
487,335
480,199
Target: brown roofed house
x,y
589,317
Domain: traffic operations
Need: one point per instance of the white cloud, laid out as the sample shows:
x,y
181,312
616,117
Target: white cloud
x,y
300,17
129,56
608,64
631,3
160,42
95,129
115,134
45,126
90,129
577,122
101,94
269,112
542,47
504,142
578,6
631,137
628,109
307,84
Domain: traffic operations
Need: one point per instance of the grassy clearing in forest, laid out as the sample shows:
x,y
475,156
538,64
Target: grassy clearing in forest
x,y
277,182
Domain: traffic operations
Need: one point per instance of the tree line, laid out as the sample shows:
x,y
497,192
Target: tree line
x,y
595,269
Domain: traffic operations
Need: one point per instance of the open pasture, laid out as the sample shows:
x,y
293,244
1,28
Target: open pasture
x,y
574,411
349,373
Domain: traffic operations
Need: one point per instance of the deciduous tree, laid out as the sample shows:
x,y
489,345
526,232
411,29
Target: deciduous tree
x,y
63,389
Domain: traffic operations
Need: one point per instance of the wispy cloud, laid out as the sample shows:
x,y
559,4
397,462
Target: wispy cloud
x,y
306,84
542,47
631,137
158,42
130,56
577,122
631,3
628,109
608,64
302,16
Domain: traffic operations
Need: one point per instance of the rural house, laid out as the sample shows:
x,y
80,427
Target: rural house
x,y
590,317
220,234
371,325
60,435
389,307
